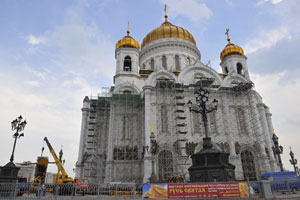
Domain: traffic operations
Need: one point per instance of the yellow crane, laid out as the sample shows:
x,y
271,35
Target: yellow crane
x,y
62,176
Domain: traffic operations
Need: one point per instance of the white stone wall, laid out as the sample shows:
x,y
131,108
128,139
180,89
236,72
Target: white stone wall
x,y
242,121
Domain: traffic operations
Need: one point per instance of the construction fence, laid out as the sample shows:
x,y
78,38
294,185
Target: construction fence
x,y
284,190
68,191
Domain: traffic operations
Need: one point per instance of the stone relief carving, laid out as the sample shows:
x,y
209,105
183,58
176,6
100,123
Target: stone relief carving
x,y
224,147
237,148
190,148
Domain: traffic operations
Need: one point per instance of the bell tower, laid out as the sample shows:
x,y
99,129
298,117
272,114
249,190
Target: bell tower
x,y
233,60
127,57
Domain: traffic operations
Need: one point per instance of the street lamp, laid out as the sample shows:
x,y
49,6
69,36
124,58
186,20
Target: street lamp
x,y
201,96
17,125
208,164
293,161
278,149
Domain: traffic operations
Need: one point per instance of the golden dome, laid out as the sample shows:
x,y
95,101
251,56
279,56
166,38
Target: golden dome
x,y
167,30
127,42
230,49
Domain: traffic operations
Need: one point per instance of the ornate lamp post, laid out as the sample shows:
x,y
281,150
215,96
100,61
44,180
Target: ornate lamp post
x,y
278,149
201,101
154,150
293,161
209,164
17,125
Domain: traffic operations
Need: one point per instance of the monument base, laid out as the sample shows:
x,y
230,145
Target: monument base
x,y
211,165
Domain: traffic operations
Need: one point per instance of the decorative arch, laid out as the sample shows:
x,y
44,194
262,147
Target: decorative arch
x,y
186,76
156,75
127,87
228,80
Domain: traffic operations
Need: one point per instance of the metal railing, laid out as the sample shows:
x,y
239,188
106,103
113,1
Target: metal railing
x,y
68,191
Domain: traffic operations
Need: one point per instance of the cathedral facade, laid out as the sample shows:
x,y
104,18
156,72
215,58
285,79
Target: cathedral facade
x,y
152,85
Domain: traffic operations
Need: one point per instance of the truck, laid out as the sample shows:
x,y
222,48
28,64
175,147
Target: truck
x,y
280,181
80,185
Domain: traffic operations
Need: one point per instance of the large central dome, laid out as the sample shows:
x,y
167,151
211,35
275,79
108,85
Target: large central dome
x,y
167,30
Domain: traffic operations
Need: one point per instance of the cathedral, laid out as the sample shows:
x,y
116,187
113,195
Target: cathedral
x,y
144,125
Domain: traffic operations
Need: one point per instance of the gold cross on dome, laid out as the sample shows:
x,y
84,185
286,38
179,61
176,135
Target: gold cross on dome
x,y
227,33
166,16
152,128
128,31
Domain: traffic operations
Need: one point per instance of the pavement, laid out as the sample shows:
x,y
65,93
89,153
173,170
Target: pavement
x,y
277,196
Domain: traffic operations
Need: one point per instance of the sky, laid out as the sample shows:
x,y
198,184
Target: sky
x,y
53,53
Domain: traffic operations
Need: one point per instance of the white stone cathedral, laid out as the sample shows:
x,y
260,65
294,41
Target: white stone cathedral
x,y
152,86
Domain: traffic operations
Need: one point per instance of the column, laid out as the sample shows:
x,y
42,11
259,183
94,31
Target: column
x,y
259,131
268,134
85,111
147,156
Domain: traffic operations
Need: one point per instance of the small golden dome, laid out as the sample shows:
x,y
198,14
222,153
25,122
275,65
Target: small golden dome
x,y
167,30
230,49
127,42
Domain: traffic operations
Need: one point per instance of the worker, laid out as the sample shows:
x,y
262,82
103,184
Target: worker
x,y
43,193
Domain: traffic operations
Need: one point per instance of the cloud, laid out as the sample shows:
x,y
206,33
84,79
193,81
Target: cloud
x,y
229,2
266,39
274,1
33,83
191,9
82,49
53,111
34,40
75,60
282,96
283,56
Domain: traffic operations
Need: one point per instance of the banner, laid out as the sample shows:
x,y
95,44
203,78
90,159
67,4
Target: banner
x,y
189,191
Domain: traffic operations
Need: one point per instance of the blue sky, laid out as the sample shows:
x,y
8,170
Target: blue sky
x,y
53,53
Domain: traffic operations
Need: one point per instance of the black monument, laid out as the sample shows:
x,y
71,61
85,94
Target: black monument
x,y
9,172
209,164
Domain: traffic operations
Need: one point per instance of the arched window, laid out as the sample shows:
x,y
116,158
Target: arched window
x,y
212,123
241,121
165,165
127,63
226,70
239,68
248,165
152,64
164,118
164,62
188,60
127,92
196,123
177,64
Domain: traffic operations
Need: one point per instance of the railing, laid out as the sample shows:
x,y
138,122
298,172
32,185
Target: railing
x,y
68,191
282,189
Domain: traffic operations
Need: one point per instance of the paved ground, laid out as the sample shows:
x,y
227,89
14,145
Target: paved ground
x,y
277,196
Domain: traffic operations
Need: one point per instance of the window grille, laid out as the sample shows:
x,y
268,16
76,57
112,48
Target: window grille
x,y
165,162
248,165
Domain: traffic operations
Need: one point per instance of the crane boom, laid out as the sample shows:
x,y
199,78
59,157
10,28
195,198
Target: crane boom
x,y
64,174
